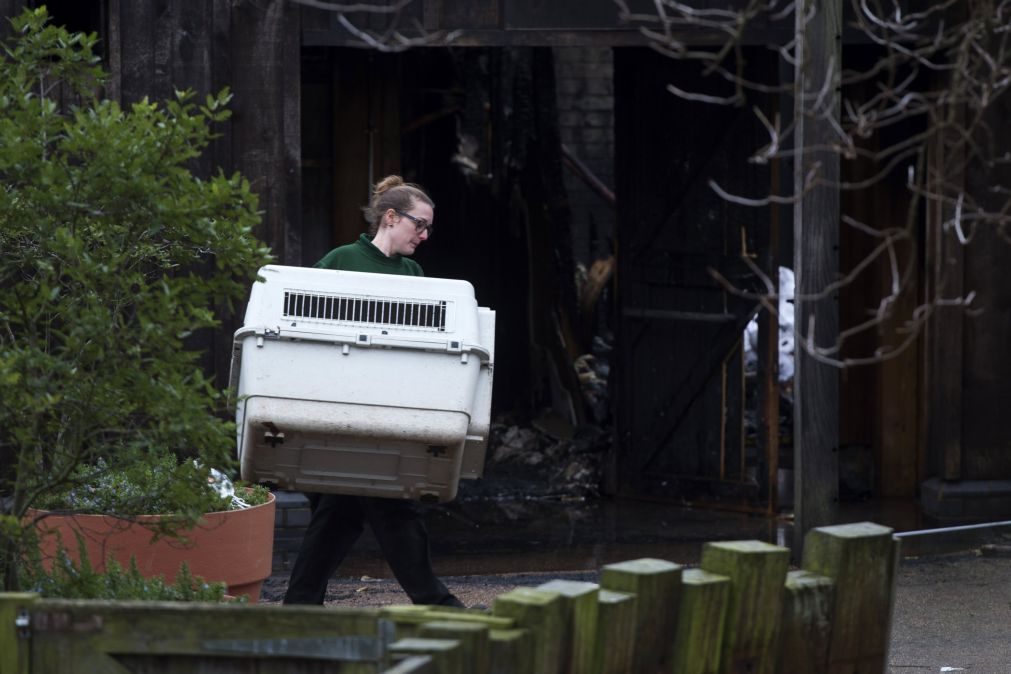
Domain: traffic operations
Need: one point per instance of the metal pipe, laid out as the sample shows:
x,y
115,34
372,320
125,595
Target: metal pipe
x,y
945,530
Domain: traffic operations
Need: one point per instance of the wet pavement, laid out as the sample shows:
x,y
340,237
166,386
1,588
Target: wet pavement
x,y
492,536
952,614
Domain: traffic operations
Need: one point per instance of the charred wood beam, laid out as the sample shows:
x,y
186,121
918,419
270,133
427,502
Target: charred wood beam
x,y
584,173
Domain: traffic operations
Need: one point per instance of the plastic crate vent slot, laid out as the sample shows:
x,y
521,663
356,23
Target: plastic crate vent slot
x,y
375,311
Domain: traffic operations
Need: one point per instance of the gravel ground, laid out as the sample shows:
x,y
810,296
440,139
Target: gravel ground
x,y
472,590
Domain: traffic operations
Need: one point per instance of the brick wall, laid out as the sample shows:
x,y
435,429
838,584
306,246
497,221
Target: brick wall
x,y
290,520
585,98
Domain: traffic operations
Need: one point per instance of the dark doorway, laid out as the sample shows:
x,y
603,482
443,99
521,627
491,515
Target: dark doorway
x,y
679,385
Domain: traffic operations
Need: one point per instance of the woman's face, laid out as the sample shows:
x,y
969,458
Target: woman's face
x,y
409,228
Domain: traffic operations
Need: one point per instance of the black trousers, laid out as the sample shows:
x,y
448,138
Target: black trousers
x,y
336,523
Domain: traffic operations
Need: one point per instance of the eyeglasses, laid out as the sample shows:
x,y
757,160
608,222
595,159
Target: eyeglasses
x,y
420,224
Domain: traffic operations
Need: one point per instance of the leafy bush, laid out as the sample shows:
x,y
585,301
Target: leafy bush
x,y
114,254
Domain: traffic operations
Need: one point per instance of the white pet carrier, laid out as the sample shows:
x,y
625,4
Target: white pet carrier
x,y
367,384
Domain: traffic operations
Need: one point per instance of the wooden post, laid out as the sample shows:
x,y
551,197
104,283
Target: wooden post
x,y
541,613
702,613
579,612
615,641
14,643
416,664
757,571
473,638
511,651
861,559
446,654
816,263
656,585
266,128
807,623
945,276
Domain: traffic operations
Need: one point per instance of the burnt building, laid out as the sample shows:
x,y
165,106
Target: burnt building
x,y
576,192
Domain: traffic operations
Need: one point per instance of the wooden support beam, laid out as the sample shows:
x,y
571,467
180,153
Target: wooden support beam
x,y
579,613
816,264
615,642
702,612
861,559
757,571
511,651
656,585
446,654
541,613
415,664
807,623
473,638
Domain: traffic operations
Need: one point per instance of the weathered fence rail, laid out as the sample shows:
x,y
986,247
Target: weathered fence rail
x,y
742,610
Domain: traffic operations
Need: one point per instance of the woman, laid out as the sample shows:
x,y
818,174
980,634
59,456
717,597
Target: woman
x,y
400,216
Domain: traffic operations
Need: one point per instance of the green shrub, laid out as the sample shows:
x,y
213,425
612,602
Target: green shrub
x,y
114,254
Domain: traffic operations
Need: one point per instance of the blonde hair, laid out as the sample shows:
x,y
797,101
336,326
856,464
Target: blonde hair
x,y
392,192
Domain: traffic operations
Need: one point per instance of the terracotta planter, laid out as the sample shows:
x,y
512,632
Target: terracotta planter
x,y
235,547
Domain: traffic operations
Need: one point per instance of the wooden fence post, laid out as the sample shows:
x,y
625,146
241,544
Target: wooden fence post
x,y
511,651
757,572
702,612
541,613
807,623
473,638
656,584
614,650
446,654
14,651
416,664
861,558
579,611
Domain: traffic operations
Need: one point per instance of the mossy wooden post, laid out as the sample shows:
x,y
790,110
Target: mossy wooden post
x,y
446,654
861,559
757,572
541,613
579,611
14,644
473,638
614,648
702,612
511,651
807,623
656,584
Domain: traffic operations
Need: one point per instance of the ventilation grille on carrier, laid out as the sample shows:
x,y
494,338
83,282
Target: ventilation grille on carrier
x,y
424,315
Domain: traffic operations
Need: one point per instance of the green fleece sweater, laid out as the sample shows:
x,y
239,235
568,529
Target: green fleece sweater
x,y
363,256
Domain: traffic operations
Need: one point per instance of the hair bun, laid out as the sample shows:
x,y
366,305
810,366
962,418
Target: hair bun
x,y
387,183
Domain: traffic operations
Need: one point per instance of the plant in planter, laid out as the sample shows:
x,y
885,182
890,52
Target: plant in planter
x,y
232,543
113,255
75,578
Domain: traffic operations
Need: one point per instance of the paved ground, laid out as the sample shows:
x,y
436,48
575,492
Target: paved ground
x,y
952,614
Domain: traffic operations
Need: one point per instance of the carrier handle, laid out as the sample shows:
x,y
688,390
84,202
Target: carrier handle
x,y
362,340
